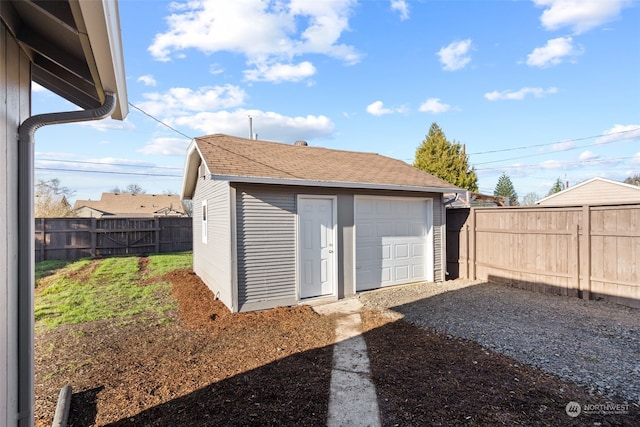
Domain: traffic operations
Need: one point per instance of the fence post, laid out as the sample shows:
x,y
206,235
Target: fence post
x,y
466,251
577,244
94,237
586,230
43,232
472,244
156,233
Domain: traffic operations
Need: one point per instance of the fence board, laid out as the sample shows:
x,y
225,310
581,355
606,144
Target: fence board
x,y
588,251
74,238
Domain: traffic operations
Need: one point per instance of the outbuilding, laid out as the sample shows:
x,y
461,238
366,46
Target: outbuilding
x,y
279,224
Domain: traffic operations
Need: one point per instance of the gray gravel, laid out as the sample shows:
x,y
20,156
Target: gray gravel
x,y
593,343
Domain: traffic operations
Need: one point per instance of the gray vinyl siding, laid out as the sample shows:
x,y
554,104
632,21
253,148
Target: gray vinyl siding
x,y
15,81
266,248
212,260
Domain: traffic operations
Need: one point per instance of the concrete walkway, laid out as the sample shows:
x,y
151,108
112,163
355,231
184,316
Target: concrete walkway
x,y
353,400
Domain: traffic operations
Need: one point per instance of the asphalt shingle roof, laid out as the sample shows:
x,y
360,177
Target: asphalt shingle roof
x,y
134,204
231,156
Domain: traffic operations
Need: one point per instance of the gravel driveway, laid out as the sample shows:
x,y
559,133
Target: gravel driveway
x,y
592,343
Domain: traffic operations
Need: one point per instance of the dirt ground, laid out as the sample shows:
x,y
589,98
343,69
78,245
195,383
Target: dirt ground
x,y
208,367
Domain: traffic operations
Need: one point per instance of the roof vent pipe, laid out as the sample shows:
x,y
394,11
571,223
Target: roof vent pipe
x,y
26,253
301,143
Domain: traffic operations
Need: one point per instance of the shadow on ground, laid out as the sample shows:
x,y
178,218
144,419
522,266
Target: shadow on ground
x,y
290,391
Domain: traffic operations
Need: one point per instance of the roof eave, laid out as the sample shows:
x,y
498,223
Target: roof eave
x,y
101,21
335,184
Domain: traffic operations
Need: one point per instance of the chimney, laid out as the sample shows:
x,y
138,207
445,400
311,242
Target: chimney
x,y
301,143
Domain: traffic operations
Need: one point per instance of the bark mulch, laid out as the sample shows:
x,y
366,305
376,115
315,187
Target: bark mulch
x,y
208,367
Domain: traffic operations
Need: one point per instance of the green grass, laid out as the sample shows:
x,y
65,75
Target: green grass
x,y
46,268
116,289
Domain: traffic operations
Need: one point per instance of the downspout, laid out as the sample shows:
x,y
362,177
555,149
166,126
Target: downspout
x,y
26,254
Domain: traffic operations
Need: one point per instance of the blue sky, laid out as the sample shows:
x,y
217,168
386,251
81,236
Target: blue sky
x,y
540,89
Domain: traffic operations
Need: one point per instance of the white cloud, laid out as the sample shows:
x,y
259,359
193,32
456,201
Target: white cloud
x,y
36,88
553,52
277,73
179,101
588,155
552,164
562,146
620,133
579,15
433,105
264,32
216,69
520,94
636,159
456,55
268,125
166,147
377,108
107,124
402,7
147,80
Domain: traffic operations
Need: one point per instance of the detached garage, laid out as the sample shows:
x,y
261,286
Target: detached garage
x,y
279,224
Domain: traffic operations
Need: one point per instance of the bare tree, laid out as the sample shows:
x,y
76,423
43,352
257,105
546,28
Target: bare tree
x,y
129,189
51,199
633,179
530,199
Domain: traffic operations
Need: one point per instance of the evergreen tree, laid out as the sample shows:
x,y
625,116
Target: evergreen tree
x,y
446,160
558,186
504,188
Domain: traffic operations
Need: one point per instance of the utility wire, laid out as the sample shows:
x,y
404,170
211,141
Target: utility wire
x,y
108,172
160,121
106,164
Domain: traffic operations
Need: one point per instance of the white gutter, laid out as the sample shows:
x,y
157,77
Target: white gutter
x,y
26,236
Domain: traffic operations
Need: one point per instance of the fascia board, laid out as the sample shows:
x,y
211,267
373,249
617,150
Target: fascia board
x,y
309,183
101,21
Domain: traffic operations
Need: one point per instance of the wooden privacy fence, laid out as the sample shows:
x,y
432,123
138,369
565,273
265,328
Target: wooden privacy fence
x,y
589,251
74,238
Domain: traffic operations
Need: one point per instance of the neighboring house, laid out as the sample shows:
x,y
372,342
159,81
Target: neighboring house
x,y
596,191
72,48
130,205
469,199
278,224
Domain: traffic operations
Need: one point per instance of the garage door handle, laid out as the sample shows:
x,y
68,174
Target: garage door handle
x,y
330,251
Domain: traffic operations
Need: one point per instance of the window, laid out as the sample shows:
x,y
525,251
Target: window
x,y
204,221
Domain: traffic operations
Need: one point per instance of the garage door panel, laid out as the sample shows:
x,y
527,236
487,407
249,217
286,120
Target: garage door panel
x,y
397,252
401,251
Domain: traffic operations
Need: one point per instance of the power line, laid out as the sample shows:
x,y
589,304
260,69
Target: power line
x,y
160,121
108,172
106,164
561,142
562,163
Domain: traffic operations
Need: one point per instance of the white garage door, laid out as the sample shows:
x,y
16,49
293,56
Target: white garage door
x,y
394,243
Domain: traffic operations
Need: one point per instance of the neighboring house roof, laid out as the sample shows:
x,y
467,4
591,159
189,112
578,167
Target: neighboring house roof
x,y
594,191
246,160
470,199
124,204
75,48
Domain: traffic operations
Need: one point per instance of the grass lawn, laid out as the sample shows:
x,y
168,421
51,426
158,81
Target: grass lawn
x,y
88,290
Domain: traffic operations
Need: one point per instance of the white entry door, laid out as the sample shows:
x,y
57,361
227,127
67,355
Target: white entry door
x,y
316,246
